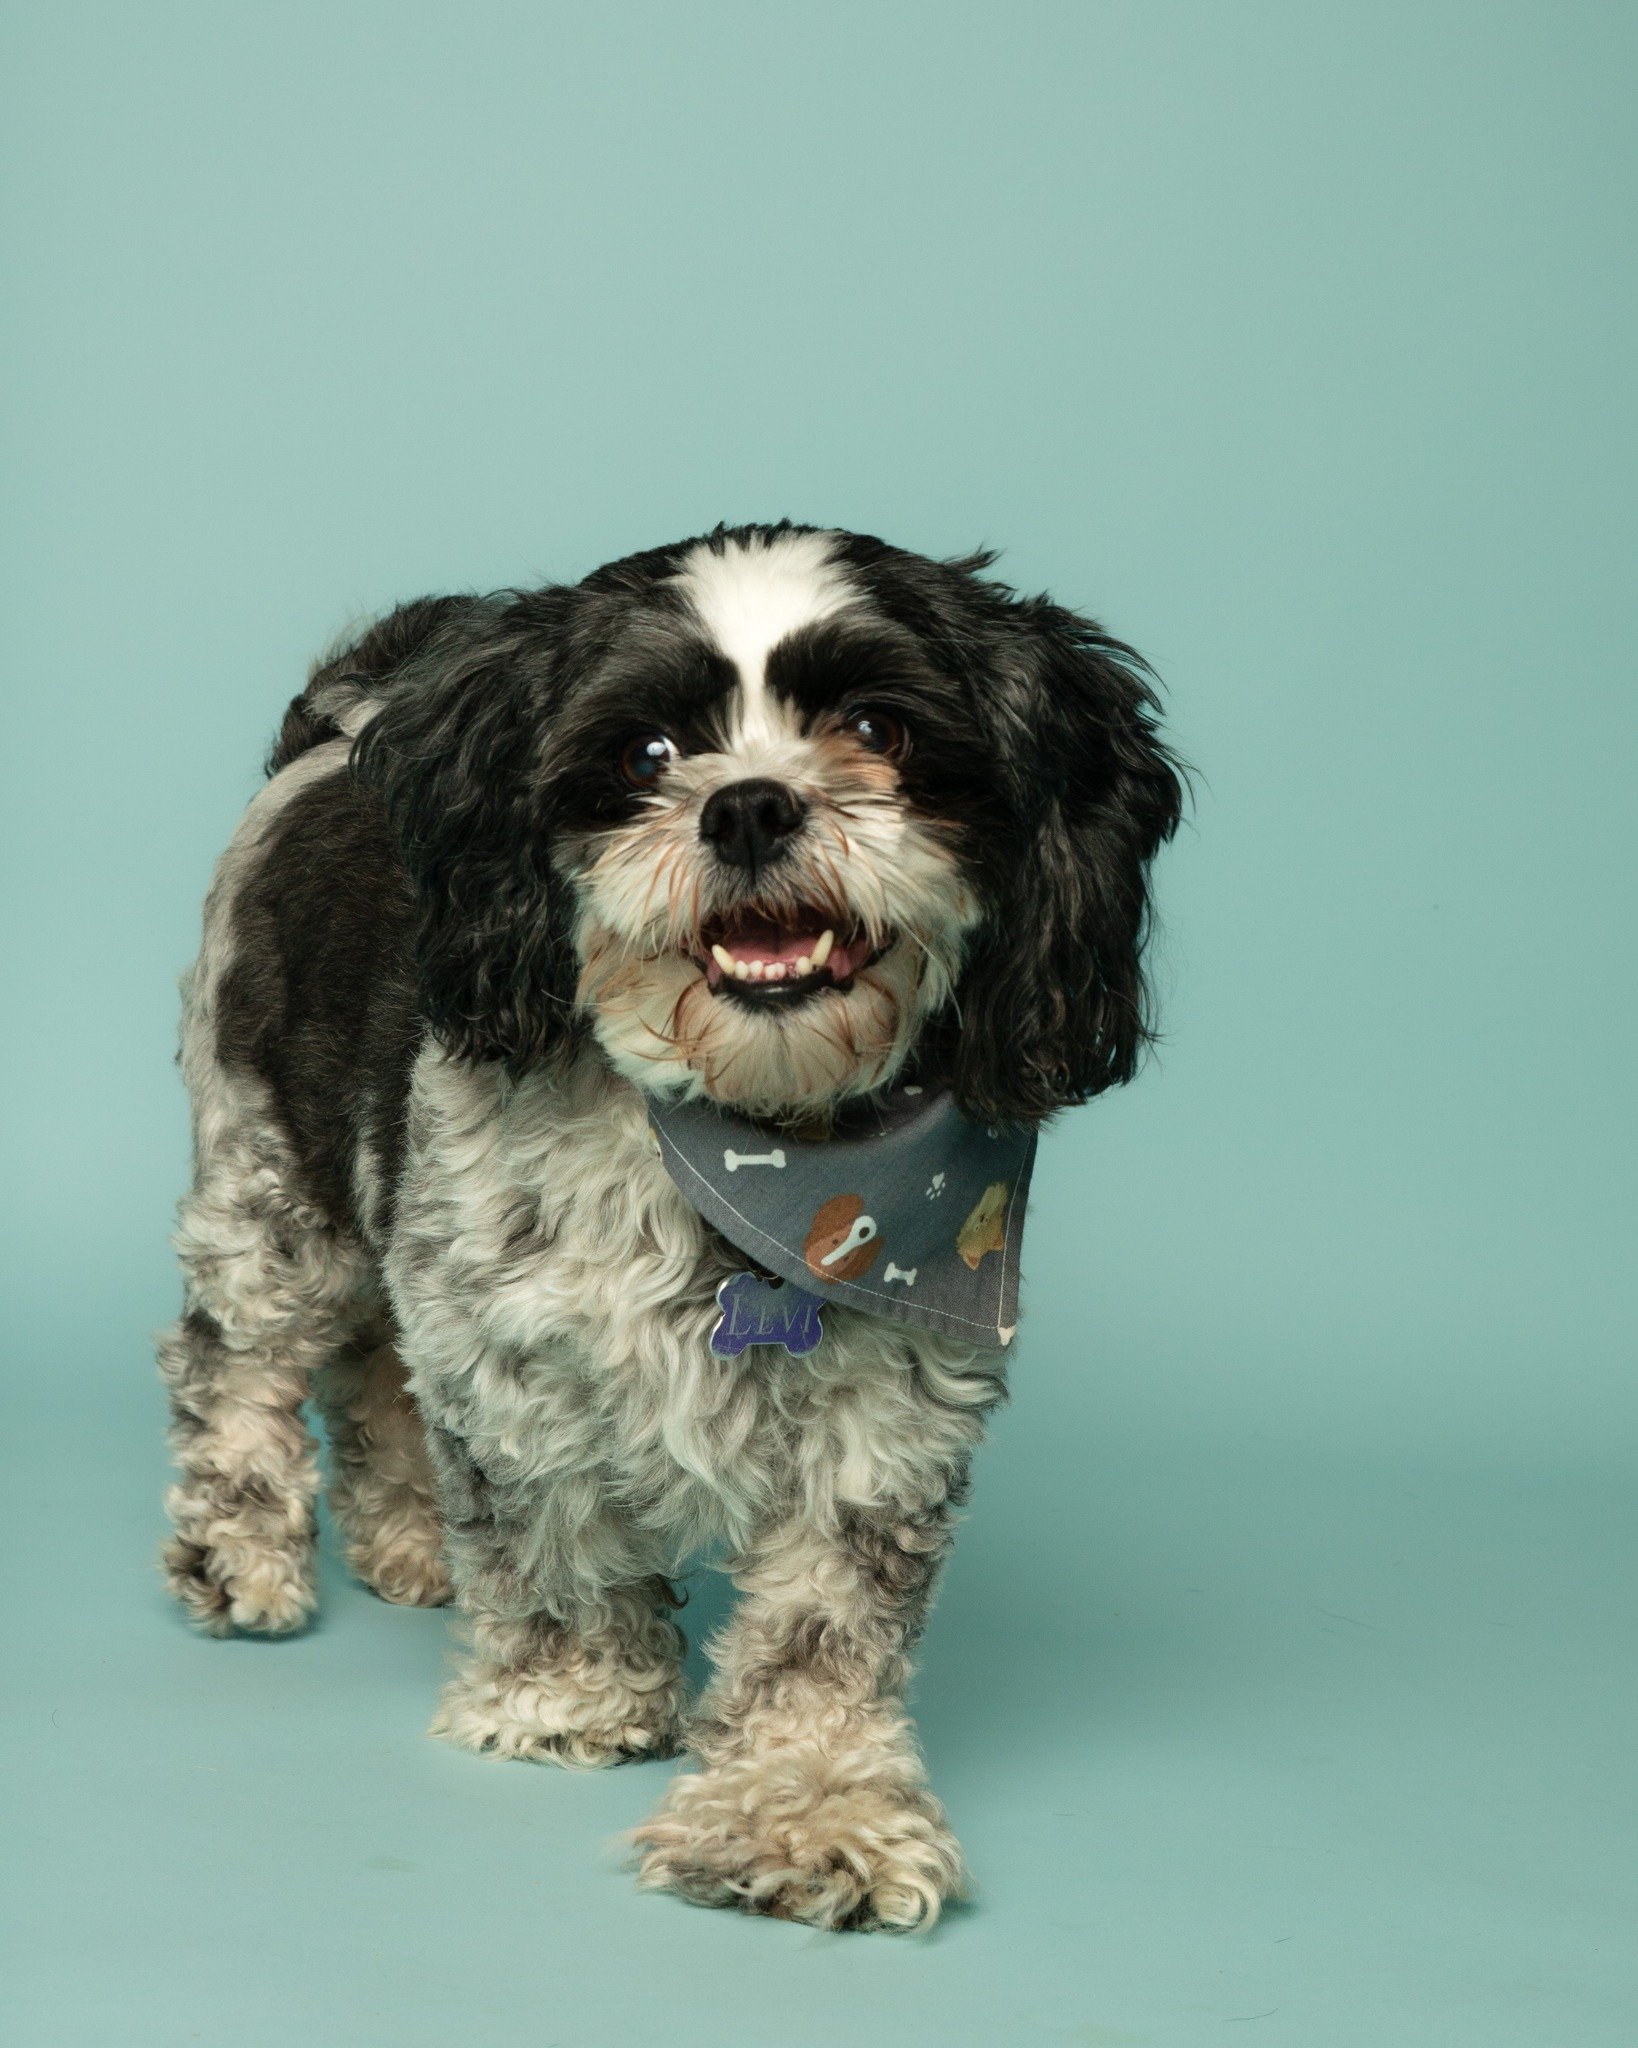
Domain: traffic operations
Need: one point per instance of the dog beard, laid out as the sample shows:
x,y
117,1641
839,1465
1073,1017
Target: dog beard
x,y
791,992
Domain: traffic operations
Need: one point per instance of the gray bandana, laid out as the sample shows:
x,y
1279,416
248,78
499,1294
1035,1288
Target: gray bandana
x,y
909,1211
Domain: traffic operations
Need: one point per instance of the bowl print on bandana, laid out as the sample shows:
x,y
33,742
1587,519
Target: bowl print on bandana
x,y
843,1242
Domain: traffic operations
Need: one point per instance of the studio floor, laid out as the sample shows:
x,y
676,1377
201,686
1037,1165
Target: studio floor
x,y
1240,1748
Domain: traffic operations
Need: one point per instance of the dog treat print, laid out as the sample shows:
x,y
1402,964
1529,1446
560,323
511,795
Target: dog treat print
x,y
985,1229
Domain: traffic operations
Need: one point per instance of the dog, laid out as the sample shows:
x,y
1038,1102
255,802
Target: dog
x,y
773,821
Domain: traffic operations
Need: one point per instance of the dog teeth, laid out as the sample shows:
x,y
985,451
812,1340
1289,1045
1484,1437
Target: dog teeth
x,y
775,970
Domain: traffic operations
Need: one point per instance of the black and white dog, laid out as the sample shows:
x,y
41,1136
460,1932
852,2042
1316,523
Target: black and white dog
x,y
773,818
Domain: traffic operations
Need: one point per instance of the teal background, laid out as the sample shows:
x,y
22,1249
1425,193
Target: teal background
x,y
1283,1688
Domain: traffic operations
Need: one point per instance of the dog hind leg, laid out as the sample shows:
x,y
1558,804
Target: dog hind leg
x,y
270,1291
382,1490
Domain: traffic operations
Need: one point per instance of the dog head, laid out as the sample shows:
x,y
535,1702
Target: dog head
x,y
775,815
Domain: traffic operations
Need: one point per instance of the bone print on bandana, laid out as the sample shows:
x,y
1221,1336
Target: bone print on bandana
x,y
849,1219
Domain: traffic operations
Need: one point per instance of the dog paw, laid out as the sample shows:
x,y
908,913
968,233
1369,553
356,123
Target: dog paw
x,y
791,1836
549,1718
405,1566
227,1589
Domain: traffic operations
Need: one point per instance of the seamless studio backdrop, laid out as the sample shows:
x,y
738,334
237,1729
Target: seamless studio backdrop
x,y
1282,1687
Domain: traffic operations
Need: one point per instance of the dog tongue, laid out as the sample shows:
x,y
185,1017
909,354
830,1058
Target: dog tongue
x,y
759,938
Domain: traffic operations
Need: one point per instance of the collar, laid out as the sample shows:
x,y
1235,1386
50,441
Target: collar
x,y
907,1211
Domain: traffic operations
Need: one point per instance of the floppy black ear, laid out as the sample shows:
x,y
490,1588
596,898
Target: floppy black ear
x,y
455,758
1053,1005
358,670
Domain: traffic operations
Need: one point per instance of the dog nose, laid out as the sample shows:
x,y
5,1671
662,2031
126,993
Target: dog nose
x,y
748,823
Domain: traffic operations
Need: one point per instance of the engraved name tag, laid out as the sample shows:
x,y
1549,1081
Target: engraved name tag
x,y
756,1310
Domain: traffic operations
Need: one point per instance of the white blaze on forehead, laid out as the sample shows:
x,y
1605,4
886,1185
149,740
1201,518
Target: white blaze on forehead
x,y
751,595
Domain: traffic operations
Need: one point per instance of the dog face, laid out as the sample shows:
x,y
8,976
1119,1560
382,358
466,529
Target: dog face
x,y
773,815
780,907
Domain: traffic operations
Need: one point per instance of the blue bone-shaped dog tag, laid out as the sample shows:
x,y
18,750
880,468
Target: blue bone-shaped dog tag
x,y
761,1311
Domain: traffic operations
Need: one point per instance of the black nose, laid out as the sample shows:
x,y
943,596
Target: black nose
x,y
748,823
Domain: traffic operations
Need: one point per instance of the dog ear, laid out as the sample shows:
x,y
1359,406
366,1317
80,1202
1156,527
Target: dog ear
x,y
343,685
454,756
1053,1005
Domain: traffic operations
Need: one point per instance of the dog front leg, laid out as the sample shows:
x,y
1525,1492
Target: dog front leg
x,y
575,1660
812,1802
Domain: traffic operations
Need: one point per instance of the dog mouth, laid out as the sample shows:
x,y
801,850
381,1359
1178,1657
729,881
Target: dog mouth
x,y
754,958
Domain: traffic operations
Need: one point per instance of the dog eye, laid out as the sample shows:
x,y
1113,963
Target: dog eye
x,y
645,759
880,731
